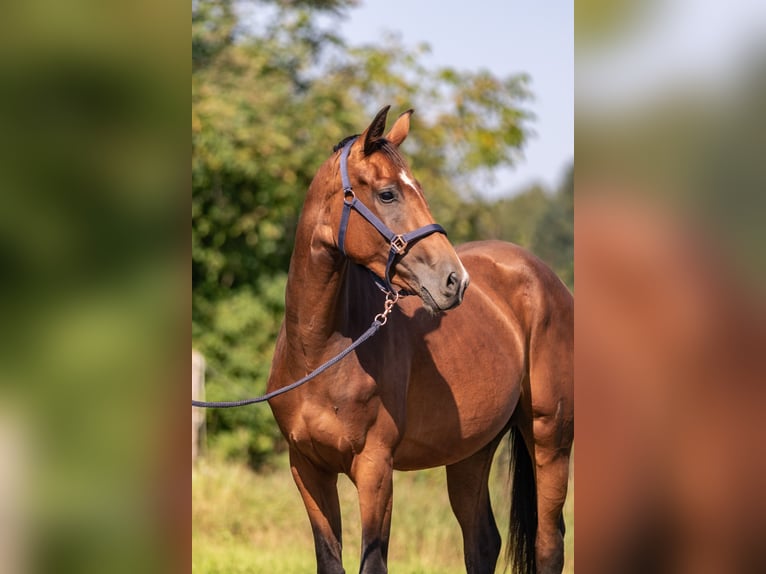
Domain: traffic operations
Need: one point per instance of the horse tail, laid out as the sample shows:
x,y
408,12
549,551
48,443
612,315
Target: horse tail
x,y
522,530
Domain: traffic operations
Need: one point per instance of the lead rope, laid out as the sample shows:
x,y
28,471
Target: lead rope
x,y
379,320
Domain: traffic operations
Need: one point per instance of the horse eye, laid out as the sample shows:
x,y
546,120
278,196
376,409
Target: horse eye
x,y
387,196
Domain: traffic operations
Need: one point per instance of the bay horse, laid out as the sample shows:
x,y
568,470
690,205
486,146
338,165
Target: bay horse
x,y
452,371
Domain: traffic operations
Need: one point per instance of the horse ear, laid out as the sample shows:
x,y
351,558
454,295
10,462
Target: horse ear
x,y
400,129
375,130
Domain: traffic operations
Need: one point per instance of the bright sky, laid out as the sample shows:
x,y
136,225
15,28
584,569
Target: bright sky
x,y
505,37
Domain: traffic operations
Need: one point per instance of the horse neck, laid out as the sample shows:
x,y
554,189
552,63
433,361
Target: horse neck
x,y
313,298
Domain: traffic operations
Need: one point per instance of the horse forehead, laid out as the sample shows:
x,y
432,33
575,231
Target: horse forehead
x,y
389,170
380,167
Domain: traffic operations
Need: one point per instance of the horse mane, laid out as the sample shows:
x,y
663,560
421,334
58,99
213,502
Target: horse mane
x,y
343,142
380,144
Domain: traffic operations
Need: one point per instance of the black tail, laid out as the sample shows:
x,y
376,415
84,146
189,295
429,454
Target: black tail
x,y
522,530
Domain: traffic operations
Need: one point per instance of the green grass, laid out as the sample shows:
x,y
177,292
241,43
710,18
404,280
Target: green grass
x,y
251,523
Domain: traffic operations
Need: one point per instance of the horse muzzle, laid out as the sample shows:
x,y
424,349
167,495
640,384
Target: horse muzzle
x,y
446,291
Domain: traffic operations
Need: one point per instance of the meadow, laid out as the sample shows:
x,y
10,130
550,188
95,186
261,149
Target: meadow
x,y
245,522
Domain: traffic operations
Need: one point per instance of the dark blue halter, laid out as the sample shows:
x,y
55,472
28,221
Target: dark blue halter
x,y
398,243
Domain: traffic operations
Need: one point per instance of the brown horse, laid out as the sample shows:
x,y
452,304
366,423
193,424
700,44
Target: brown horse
x,y
439,385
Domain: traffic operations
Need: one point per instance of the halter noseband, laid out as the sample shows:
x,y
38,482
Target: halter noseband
x,y
398,242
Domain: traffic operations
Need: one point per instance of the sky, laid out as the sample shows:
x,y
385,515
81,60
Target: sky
x,y
506,37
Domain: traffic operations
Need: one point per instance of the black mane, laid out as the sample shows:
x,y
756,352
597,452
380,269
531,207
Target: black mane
x,y
343,142
381,144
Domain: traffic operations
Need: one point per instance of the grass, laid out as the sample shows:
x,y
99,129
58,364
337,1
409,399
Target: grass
x,y
251,523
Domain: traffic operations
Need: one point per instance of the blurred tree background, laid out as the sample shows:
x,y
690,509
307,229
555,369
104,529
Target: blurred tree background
x,y
274,87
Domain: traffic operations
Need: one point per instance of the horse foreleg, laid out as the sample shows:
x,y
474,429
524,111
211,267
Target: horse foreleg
x,y
372,474
320,495
467,484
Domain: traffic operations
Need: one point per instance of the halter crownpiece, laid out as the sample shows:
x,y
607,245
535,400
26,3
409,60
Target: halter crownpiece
x,y
398,243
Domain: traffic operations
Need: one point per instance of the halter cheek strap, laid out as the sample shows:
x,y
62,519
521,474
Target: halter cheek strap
x,y
398,243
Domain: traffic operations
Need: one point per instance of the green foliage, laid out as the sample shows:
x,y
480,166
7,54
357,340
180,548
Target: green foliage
x,y
273,89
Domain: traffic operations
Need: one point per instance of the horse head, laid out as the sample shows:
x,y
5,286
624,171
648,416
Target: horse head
x,y
392,232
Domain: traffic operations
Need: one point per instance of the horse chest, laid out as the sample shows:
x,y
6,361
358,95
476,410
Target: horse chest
x,y
335,419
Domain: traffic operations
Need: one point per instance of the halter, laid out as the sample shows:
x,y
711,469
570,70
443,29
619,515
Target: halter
x,y
398,242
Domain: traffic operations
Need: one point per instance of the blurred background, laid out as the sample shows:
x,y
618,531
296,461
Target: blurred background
x,y
670,326
94,289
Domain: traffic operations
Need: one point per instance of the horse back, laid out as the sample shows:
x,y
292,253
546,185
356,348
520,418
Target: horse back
x,y
518,282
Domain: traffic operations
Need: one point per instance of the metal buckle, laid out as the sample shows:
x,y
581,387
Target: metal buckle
x,y
398,244
388,306
348,195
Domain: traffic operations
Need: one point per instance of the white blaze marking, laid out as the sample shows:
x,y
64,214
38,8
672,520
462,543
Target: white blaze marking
x,y
406,179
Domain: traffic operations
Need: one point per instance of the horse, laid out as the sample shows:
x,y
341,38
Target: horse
x,y
453,370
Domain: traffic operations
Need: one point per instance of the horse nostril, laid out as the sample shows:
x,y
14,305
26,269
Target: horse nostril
x,y
452,281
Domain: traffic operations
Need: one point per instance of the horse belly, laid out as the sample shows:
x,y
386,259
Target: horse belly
x,y
463,390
